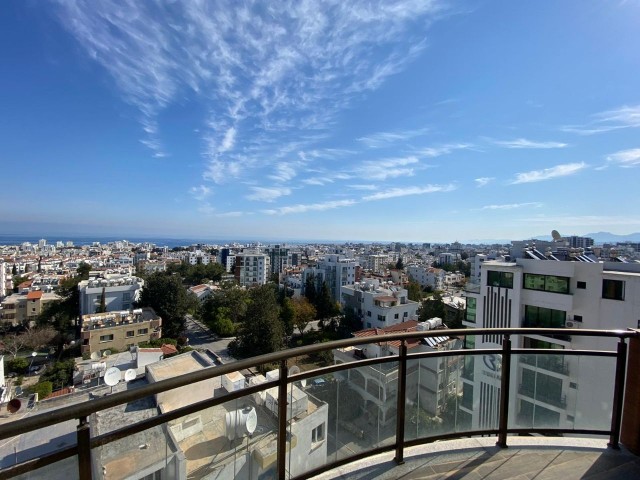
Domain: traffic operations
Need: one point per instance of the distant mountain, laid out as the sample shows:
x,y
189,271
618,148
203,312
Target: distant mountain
x,y
601,237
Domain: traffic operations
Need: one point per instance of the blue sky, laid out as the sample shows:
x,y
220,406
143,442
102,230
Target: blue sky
x,y
409,120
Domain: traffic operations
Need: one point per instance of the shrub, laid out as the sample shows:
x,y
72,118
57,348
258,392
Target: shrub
x,y
18,365
19,380
43,389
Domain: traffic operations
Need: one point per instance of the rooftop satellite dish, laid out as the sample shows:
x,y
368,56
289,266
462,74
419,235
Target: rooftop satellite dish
x,y
556,235
296,370
95,356
14,405
112,376
129,375
106,353
252,421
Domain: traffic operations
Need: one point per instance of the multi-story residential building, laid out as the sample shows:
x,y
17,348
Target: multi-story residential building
x,y
543,291
427,276
279,258
22,308
3,280
580,242
379,306
120,291
430,381
334,269
378,262
198,257
251,269
119,330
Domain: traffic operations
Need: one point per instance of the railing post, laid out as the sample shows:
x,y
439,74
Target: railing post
x,y
401,402
83,434
618,394
282,421
505,382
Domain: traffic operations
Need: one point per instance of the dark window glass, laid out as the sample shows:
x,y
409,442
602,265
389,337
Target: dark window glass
x,y
499,279
470,315
547,283
577,318
582,285
613,289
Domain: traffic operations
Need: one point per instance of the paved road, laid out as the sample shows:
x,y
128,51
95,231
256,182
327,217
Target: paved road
x,y
200,336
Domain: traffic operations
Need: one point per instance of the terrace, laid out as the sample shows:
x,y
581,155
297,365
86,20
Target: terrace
x,y
350,442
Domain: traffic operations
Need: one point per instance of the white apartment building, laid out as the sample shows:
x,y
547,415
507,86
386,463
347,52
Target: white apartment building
x,y
428,276
334,269
198,257
379,306
3,280
251,269
378,262
552,390
121,291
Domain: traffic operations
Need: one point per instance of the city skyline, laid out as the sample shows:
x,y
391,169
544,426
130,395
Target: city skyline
x,y
362,121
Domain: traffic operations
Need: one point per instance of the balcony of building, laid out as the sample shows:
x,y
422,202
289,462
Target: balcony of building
x,y
324,423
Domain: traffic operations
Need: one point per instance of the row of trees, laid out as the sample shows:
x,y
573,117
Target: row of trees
x,y
320,298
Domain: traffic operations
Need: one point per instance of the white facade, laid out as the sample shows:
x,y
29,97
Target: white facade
x,y
428,276
3,280
334,269
199,257
252,269
121,291
378,306
553,390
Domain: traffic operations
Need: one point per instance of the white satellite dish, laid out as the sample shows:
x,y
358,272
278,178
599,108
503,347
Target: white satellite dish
x,y
556,236
129,375
296,370
95,356
251,421
106,353
112,376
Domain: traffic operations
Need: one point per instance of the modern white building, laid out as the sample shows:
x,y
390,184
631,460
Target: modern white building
x,y
427,276
334,269
198,257
379,306
3,280
549,390
251,269
121,291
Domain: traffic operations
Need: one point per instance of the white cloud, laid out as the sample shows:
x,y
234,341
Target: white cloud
x,y
483,181
277,72
264,194
283,172
406,191
200,192
318,207
362,187
512,206
230,214
625,158
383,139
622,117
388,168
549,173
433,152
524,143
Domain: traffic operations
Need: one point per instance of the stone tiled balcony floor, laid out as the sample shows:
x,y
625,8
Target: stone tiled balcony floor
x,y
478,458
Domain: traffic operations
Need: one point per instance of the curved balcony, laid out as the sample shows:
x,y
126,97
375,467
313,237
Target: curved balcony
x,y
292,424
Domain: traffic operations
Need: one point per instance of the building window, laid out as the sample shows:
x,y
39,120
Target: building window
x,y
577,318
540,317
470,315
317,434
143,331
499,279
613,289
546,283
406,314
130,333
106,338
397,315
382,318
126,297
582,285
368,313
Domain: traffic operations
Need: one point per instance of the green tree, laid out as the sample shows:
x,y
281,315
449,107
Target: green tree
x,y
14,270
414,291
304,312
433,307
400,264
43,389
103,302
166,295
349,323
18,365
310,291
262,331
60,373
325,306
287,316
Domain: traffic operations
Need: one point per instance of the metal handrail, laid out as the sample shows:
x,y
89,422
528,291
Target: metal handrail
x,y
83,410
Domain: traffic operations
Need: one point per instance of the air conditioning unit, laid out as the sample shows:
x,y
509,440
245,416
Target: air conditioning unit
x,y
572,324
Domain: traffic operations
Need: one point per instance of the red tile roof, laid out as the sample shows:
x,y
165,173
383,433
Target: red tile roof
x,y
34,295
408,326
168,349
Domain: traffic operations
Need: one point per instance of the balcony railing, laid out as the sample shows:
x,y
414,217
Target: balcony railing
x,y
304,426
550,362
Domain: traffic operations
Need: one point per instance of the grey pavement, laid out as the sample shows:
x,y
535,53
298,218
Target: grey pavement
x,y
200,336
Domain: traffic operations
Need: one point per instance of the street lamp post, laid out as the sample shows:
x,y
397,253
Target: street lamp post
x,y
33,356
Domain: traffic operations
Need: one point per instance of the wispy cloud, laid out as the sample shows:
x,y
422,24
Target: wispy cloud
x,y
406,191
625,158
284,172
200,192
383,139
269,74
512,206
388,168
362,187
446,149
524,143
549,173
317,207
264,194
483,181
230,214
616,119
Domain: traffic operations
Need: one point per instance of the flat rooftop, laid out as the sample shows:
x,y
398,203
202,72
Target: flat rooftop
x,y
178,365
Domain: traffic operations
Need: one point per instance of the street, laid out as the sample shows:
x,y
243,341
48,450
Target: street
x,y
200,336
